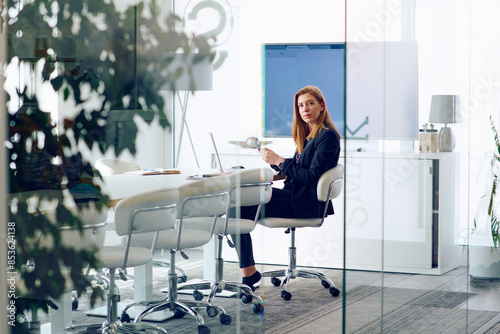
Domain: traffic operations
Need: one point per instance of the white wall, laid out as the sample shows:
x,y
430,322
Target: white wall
x,y
233,109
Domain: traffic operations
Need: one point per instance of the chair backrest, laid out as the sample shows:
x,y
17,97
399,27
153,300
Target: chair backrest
x,y
147,212
115,166
204,198
251,186
330,183
93,229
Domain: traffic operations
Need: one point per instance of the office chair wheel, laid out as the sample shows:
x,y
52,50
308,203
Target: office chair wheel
x,y
212,311
325,284
225,319
181,279
202,329
334,291
74,301
198,295
246,299
286,295
179,314
276,281
258,308
125,317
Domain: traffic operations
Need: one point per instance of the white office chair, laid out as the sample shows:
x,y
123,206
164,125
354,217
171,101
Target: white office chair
x,y
148,212
329,187
106,167
248,187
203,198
115,166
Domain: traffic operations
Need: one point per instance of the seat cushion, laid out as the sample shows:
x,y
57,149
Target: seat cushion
x,y
113,256
168,239
234,226
290,222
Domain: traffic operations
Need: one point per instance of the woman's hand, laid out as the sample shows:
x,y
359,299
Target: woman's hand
x,y
271,157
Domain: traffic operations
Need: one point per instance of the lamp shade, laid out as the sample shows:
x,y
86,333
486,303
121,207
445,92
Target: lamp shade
x,y
445,109
189,72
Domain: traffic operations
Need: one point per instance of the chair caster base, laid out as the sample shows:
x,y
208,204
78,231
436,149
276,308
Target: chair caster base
x,y
202,329
179,314
125,318
258,308
198,295
286,295
212,311
225,319
276,281
246,299
334,291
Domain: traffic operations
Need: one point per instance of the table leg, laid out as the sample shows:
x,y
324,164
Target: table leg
x,y
143,282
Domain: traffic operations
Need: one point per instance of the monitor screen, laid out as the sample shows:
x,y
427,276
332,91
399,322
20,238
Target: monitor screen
x,y
289,67
370,88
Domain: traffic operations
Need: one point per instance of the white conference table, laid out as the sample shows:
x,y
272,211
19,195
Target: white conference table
x,y
124,185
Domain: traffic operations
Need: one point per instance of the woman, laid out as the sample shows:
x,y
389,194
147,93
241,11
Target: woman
x,y
317,143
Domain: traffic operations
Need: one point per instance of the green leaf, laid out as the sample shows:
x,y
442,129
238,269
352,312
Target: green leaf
x,y
495,132
57,82
121,58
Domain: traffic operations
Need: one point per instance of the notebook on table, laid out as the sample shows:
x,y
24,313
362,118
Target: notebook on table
x,y
156,171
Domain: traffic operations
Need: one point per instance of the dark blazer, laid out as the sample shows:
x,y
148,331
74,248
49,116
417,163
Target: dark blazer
x,y
319,155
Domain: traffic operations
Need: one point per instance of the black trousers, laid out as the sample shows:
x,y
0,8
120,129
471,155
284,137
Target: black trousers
x,y
278,206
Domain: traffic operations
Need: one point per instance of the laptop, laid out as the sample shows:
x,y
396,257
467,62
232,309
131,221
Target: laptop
x,y
221,169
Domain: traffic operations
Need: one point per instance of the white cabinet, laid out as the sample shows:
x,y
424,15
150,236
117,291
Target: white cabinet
x,y
400,216
404,223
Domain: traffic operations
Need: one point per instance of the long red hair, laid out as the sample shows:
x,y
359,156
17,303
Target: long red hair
x,y
300,129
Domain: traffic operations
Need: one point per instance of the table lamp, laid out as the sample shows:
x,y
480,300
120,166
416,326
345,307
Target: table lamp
x,y
445,109
196,75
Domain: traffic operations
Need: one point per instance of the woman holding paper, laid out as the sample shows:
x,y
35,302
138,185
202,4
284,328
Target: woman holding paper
x,y
317,149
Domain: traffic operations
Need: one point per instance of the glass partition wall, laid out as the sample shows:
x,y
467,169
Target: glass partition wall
x,y
413,195
398,241
409,245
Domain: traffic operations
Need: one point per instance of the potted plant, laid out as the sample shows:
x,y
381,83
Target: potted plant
x,y
485,259
90,53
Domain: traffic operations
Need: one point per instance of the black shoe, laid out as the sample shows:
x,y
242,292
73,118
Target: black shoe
x,y
251,280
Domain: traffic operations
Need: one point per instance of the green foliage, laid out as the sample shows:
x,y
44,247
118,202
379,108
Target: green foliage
x,y
492,205
91,53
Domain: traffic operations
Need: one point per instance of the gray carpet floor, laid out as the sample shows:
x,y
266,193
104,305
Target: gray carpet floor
x,y
438,307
